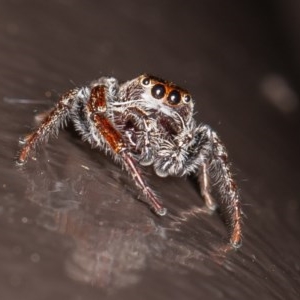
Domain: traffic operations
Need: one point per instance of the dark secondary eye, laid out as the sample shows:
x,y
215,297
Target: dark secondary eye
x,y
146,81
174,97
158,91
186,98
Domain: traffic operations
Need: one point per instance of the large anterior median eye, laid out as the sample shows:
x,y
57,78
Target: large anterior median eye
x,y
174,97
158,91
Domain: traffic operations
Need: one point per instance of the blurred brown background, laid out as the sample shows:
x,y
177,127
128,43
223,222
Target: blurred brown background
x,y
70,224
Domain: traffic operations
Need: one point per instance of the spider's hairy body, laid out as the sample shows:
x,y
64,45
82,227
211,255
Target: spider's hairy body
x,y
147,121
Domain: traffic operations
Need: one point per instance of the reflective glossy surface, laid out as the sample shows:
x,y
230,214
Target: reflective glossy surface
x,y
70,223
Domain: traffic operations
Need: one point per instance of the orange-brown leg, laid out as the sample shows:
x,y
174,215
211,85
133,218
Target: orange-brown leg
x,y
96,107
227,189
204,181
49,126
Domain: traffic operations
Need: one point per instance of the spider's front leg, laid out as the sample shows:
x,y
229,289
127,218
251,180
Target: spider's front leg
x,y
49,126
97,108
215,167
199,150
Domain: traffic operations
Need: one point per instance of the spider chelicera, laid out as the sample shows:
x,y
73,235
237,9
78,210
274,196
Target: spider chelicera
x,y
147,121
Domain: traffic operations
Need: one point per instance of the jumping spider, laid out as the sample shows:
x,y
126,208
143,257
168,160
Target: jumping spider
x,y
142,122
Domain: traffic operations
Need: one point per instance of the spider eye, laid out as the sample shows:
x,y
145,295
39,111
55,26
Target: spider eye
x,y
186,98
158,91
174,97
146,81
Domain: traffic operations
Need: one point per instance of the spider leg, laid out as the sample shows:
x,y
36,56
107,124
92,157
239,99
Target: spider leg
x,y
132,168
204,181
49,126
96,107
218,167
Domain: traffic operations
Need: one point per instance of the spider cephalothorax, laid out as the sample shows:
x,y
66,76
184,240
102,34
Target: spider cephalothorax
x,y
147,121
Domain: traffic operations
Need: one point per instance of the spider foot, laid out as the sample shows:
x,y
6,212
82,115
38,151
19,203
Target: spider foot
x,y
236,244
236,236
23,155
161,211
209,210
